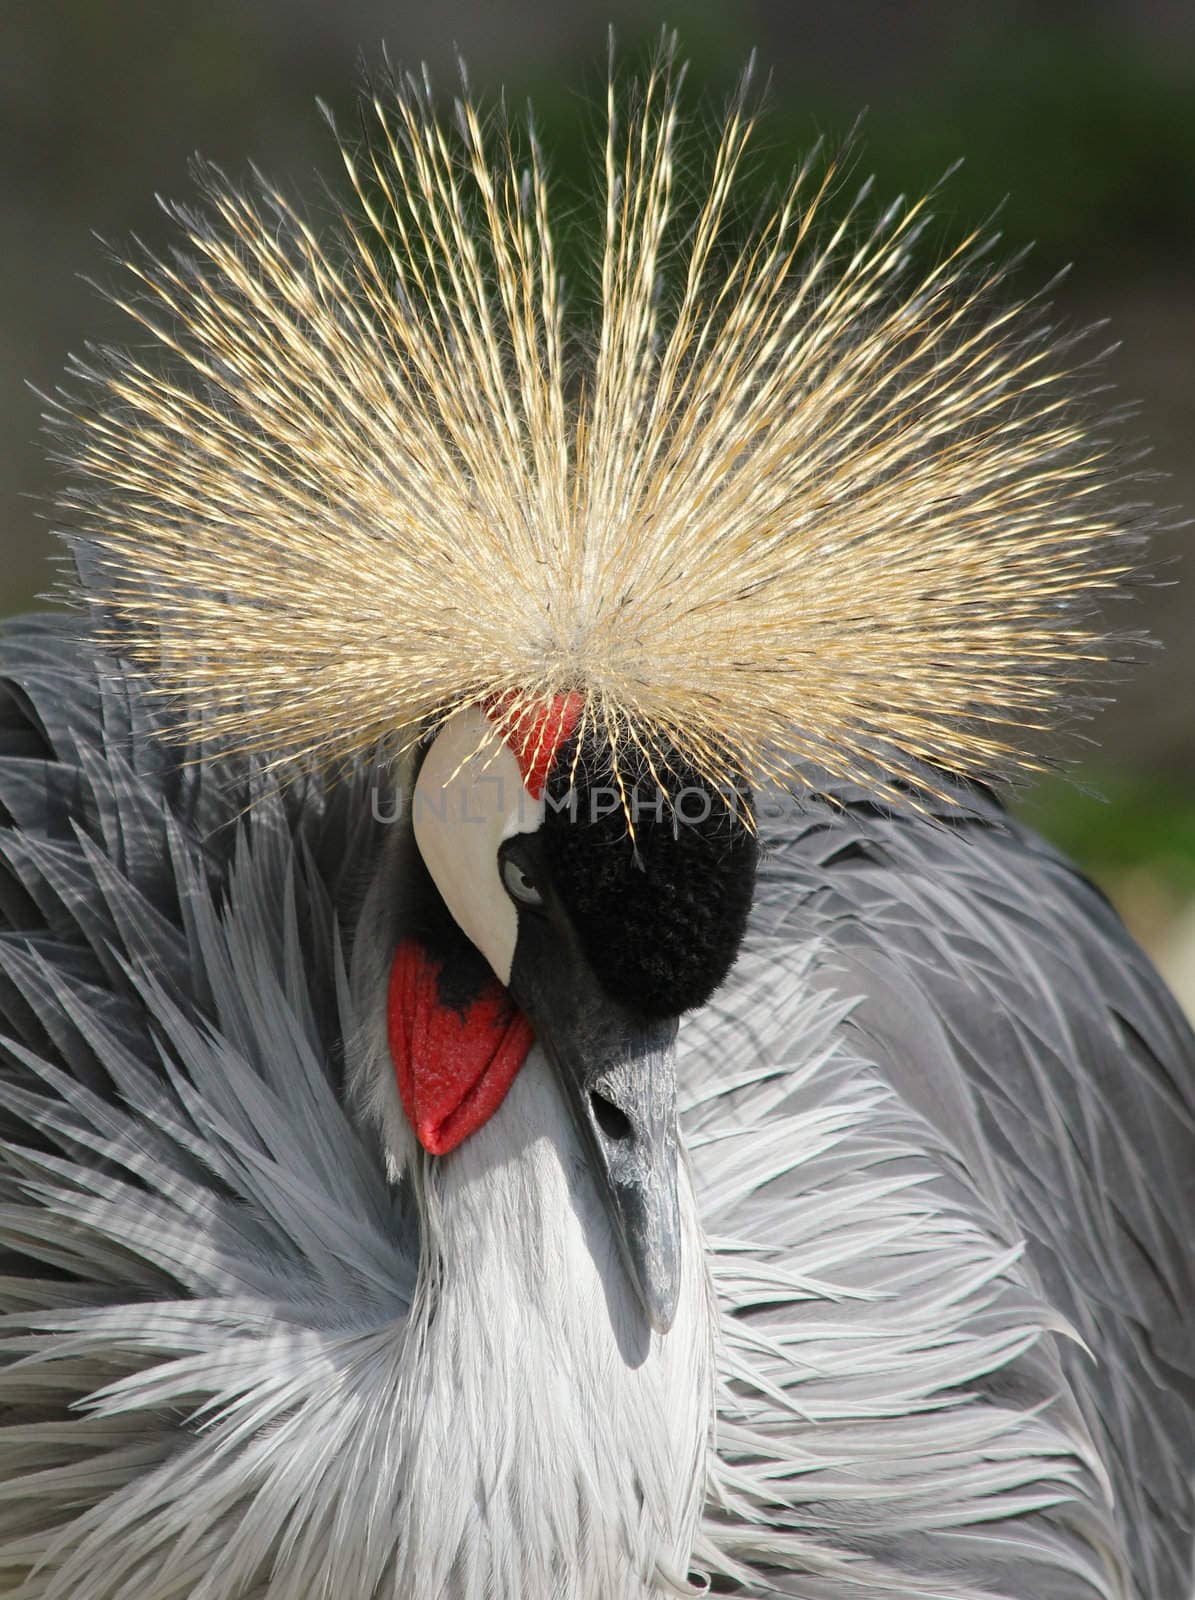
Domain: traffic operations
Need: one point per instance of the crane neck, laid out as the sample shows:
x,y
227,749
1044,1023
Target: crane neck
x,y
534,1369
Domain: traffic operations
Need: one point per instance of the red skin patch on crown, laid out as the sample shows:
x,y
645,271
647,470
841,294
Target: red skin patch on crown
x,y
453,1067
535,735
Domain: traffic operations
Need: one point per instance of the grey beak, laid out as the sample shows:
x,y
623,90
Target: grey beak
x,y
618,1074
627,1109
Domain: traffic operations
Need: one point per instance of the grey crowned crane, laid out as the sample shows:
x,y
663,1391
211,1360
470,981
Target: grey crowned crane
x,y
534,1066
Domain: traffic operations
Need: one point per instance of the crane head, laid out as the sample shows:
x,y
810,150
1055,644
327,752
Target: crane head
x,y
605,900
803,502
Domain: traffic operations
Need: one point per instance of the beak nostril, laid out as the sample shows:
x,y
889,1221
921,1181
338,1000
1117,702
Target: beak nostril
x,y
615,1124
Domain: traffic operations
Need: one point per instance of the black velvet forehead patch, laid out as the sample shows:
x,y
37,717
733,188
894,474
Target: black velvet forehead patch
x,y
661,917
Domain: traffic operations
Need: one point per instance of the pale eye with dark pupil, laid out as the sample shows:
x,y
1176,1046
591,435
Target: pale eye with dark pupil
x,y
519,885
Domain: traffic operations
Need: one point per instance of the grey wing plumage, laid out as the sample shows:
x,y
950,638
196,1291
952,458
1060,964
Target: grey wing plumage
x,y
972,1108
192,1234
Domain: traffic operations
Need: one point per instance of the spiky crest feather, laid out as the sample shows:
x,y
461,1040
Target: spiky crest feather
x,y
811,503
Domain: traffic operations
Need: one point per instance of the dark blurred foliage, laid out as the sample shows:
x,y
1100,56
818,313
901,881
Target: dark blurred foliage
x,y
1076,122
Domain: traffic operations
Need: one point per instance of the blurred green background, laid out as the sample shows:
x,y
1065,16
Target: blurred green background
x,y
1081,114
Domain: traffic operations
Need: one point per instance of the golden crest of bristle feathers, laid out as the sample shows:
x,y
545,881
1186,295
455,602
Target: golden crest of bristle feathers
x,y
798,501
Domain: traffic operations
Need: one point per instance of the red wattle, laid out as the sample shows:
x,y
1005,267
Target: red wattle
x,y
453,1067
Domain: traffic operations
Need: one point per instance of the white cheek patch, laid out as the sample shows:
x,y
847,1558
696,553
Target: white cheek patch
x,y
468,798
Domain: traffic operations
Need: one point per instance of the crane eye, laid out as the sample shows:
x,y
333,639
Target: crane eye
x,y
519,884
